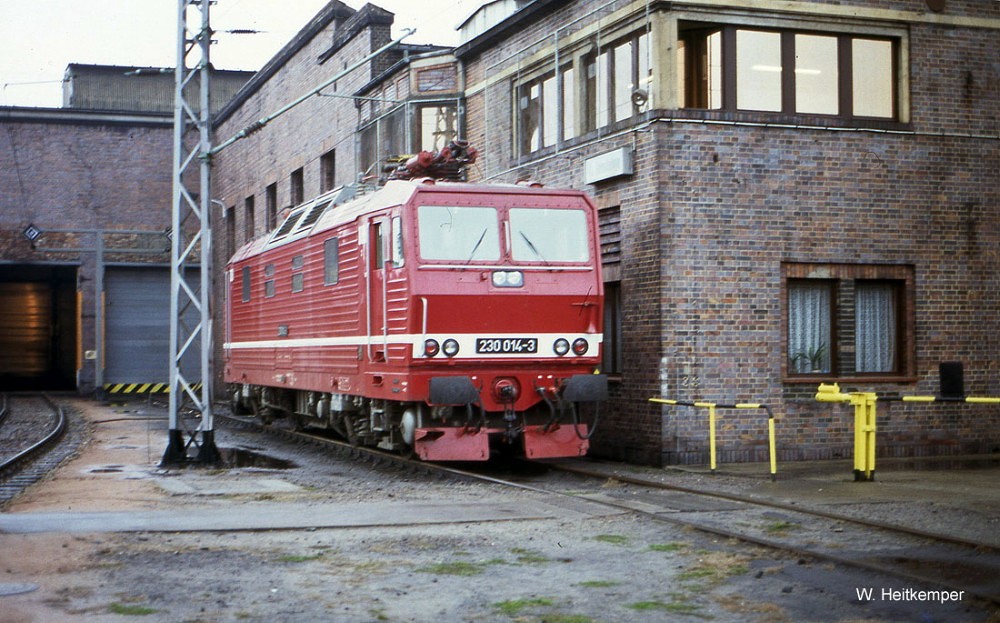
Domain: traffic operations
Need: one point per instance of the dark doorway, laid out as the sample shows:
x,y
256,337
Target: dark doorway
x,y
39,327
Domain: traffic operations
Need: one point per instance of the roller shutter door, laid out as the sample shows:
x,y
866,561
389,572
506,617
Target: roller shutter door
x,y
137,321
25,329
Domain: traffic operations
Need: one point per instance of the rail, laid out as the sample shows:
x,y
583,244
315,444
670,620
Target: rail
x,y
11,465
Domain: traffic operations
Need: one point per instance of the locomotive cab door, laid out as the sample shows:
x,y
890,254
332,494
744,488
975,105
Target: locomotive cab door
x,y
378,236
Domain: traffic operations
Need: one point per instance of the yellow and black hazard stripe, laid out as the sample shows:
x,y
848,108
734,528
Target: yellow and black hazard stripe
x,y
142,388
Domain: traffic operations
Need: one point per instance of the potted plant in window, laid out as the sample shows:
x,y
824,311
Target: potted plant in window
x,y
810,359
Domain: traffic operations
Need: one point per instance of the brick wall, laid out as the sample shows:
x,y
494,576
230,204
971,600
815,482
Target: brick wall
x,y
713,210
83,171
299,138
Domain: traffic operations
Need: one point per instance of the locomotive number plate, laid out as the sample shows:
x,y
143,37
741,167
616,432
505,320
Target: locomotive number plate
x,y
506,345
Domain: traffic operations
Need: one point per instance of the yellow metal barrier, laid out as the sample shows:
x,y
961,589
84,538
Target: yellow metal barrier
x,y
864,426
712,406
864,420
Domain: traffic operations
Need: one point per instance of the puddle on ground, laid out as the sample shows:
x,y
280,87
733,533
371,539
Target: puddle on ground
x,y
233,458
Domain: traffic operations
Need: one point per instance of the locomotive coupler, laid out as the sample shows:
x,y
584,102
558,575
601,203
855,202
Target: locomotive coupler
x,y
508,395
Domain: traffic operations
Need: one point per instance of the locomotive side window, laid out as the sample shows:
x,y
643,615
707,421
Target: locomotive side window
x,y
331,261
269,283
298,279
246,284
378,246
460,234
544,235
397,242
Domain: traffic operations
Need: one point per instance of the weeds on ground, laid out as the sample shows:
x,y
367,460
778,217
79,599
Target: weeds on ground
x,y
460,567
780,526
528,556
598,584
513,607
666,547
673,607
769,612
130,610
716,566
294,558
517,607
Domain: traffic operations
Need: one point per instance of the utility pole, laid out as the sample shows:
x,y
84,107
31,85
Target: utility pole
x,y
191,380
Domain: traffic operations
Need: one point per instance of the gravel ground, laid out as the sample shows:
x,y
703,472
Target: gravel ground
x,y
577,567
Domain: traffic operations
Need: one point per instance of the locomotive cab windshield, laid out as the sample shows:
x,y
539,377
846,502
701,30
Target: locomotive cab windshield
x,y
529,235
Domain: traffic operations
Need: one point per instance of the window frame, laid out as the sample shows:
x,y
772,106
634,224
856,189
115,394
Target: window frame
x,y
843,323
328,171
331,261
692,95
269,283
271,206
298,281
249,218
600,86
399,130
246,287
579,86
296,186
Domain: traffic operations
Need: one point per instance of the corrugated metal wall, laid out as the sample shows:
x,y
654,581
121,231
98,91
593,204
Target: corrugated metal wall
x,y
137,321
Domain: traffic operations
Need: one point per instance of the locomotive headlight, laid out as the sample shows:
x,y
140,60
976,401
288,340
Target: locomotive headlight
x,y
508,279
431,348
450,347
561,346
580,346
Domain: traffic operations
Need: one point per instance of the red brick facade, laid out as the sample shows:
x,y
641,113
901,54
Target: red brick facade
x,y
82,171
720,202
723,208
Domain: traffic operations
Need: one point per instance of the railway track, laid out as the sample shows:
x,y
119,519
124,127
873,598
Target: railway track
x,y
954,567
31,426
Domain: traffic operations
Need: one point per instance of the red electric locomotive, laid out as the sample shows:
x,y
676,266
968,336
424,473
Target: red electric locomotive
x,y
432,317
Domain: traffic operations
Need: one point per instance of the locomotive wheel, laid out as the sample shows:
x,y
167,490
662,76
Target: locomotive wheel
x,y
408,425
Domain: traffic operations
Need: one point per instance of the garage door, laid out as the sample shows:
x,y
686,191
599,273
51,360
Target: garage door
x,y
25,326
137,334
38,327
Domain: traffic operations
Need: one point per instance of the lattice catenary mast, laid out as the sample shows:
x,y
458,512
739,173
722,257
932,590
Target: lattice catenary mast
x,y
191,246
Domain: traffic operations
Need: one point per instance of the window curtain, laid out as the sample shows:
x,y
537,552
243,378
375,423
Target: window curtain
x,y
809,327
875,327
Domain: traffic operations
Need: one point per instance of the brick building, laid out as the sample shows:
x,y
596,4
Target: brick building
x,y
73,174
85,304
792,193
